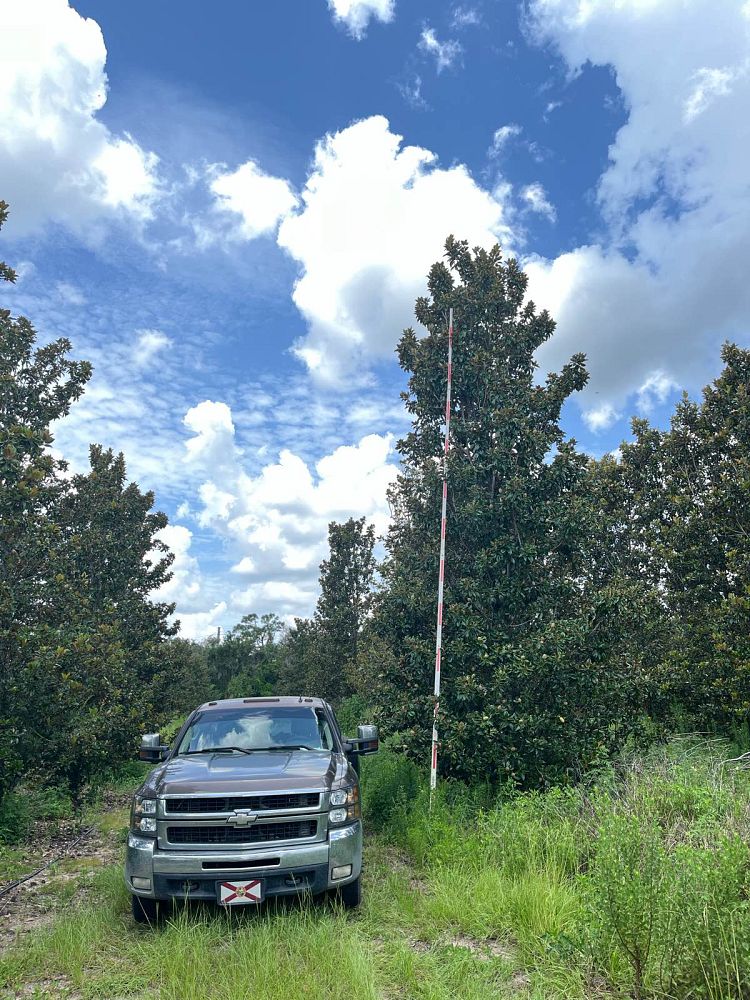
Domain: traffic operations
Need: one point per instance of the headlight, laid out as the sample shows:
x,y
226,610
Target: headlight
x,y
143,816
345,803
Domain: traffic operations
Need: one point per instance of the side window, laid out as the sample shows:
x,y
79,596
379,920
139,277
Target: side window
x,y
326,735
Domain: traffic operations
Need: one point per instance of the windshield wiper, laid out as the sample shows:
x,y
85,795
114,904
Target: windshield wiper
x,y
290,746
219,750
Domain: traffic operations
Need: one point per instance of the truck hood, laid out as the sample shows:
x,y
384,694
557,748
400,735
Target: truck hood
x,y
240,773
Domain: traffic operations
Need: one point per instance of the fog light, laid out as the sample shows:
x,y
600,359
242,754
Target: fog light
x,y
141,883
343,871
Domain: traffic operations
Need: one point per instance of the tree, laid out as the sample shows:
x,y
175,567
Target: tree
x,y
532,689
80,638
246,664
677,509
114,557
321,655
37,386
183,679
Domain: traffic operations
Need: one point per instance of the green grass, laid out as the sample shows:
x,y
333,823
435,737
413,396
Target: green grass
x,y
635,884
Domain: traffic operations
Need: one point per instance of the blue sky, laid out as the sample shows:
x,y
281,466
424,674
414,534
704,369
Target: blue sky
x,y
230,212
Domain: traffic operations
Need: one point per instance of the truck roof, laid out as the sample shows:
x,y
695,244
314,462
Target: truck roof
x,y
287,701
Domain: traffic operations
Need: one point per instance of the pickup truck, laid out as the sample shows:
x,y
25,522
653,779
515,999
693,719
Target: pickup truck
x,y
255,798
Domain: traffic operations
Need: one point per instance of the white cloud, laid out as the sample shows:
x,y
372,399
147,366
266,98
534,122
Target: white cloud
x,y
655,390
710,84
200,625
600,418
57,160
70,294
185,584
502,137
375,215
464,17
670,282
147,346
445,53
213,446
275,522
411,90
537,201
259,199
356,14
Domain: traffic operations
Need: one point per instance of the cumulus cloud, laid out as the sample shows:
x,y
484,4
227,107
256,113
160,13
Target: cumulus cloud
x,y
185,584
257,200
374,216
357,14
199,625
275,522
57,160
670,283
444,53
601,417
213,444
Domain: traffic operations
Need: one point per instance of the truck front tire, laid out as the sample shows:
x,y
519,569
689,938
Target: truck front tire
x,y
350,896
145,910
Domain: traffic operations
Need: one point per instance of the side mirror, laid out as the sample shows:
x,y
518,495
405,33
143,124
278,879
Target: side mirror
x,y
152,750
367,741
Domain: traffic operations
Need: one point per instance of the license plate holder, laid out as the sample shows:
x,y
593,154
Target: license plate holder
x,y
239,892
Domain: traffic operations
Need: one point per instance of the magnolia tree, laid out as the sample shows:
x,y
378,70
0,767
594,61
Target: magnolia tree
x,y
536,675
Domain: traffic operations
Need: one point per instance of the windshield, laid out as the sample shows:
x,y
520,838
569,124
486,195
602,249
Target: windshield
x,y
257,728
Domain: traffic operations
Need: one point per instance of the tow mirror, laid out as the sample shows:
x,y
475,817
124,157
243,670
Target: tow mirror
x,y
152,750
367,740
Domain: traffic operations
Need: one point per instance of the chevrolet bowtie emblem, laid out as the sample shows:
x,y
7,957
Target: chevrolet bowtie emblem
x,y
242,817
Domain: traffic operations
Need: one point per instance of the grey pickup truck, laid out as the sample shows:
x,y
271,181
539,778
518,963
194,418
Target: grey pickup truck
x,y
256,797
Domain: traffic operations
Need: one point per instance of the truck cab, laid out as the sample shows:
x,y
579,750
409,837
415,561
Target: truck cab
x,y
255,798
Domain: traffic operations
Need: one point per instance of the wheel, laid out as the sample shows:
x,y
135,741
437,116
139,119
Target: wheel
x,y
350,896
145,910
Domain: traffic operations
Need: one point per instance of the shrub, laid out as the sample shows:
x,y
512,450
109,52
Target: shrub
x,y
390,785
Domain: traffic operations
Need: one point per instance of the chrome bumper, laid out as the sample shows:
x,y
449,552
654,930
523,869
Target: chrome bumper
x,y
144,860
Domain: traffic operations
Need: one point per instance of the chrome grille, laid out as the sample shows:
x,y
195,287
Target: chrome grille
x,y
259,834
257,803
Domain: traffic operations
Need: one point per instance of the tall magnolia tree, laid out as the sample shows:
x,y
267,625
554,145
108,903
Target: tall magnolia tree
x,y
535,679
37,386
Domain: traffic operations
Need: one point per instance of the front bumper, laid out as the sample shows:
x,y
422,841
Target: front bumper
x,y
182,875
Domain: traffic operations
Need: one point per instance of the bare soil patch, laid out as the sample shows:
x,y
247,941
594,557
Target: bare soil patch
x,y
73,851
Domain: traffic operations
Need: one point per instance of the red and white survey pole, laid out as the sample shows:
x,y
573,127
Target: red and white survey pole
x,y
441,571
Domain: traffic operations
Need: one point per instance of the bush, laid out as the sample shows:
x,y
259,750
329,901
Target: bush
x,y
24,806
390,785
15,818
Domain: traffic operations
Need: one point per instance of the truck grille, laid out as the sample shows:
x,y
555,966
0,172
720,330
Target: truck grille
x,y
262,833
255,802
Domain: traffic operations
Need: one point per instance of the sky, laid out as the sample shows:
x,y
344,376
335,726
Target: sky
x,y
230,211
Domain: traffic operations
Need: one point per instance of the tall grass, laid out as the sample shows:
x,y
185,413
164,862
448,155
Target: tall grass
x,y
636,881
634,884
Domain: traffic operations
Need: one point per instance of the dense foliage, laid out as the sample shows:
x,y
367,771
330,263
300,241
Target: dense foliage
x,y
539,655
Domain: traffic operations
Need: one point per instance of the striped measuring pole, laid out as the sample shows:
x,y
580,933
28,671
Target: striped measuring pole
x,y
441,571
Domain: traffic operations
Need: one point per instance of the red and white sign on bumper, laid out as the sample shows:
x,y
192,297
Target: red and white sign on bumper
x,y
232,893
